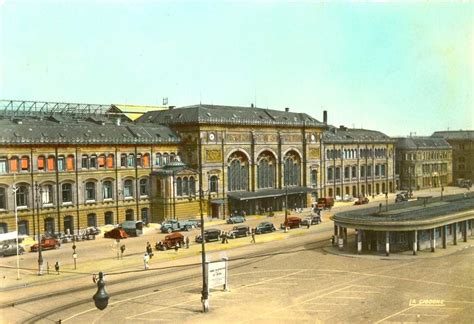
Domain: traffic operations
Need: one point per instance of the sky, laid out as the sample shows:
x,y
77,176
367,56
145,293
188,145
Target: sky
x,y
396,67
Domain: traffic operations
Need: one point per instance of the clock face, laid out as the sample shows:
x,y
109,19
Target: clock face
x,y
212,136
313,138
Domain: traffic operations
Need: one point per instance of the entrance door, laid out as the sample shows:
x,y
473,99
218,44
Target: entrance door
x,y
215,210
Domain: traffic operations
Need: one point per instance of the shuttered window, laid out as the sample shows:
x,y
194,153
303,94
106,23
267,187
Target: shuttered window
x,y
110,161
14,165
24,163
146,161
101,161
41,163
51,163
70,163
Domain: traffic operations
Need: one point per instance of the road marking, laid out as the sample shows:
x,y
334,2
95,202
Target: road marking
x,y
342,297
433,315
311,310
395,314
363,292
332,304
385,287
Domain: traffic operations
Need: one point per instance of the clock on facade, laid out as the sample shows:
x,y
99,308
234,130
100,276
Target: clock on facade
x,y
313,137
212,136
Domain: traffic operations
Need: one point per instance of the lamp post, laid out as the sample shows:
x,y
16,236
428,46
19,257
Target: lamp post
x,y
286,197
15,190
39,191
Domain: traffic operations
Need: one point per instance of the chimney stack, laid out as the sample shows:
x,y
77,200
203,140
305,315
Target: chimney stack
x,y
325,116
287,109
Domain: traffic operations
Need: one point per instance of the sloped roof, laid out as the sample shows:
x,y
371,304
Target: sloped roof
x,y
228,115
354,135
422,142
65,130
455,135
136,111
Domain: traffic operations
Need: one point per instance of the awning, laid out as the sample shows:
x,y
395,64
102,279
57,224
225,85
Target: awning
x,y
217,201
268,193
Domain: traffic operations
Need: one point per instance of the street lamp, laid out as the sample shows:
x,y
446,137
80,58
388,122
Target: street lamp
x,y
286,180
204,292
39,191
15,190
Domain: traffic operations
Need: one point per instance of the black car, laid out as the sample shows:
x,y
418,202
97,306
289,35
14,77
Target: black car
x,y
211,234
265,227
10,249
239,231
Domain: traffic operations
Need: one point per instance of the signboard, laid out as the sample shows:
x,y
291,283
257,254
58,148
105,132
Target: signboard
x,y
216,274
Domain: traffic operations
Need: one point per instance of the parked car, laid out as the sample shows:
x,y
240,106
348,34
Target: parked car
x,y
211,234
362,201
312,220
325,203
46,244
170,241
403,196
10,249
265,227
116,233
292,222
235,219
174,226
195,223
239,231
347,198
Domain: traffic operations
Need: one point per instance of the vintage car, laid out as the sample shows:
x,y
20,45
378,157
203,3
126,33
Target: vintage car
x,y
291,222
265,227
211,234
235,219
239,231
402,196
174,226
325,203
170,242
312,220
10,249
361,201
46,244
116,233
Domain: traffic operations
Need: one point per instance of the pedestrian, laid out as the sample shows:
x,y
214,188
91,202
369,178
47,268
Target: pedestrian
x,y
223,237
226,238
149,250
253,236
187,242
176,246
146,259
308,224
244,213
122,250
56,267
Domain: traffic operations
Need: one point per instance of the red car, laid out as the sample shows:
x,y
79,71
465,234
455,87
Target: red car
x,y
46,244
362,201
116,233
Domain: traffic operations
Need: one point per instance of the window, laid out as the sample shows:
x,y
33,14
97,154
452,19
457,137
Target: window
x,y
185,186
369,170
101,161
158,161
3,198
66,193
61,164
85,161
47,195
146,160
139,160
107,190
23,227
314,178
49,225
3,165
266,173
179,187
128,189
70,163
214,184
165,159
91,220
338,174
192,186
362,171
330,174
131,160
90,191
129,215
14,164
354,172
123,160
22,196
237,175
93,162
108,218
143,187
41,163
347,172
25,163
291,172
51,163
3,228
382,170
110,161
377,170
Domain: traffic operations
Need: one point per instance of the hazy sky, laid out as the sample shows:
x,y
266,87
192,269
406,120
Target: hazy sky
x,y
393,67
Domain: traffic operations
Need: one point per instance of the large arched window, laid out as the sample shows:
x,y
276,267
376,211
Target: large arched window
x,y
66,193
214,184
128,188
314,178
237,173
47,195
291,171
91,220
90,191
143,187
266,172
185,186
22,196
179,187
192,186
107,190
3,198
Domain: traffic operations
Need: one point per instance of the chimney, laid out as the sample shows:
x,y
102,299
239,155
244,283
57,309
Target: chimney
x,y
342,127
325,116
287,109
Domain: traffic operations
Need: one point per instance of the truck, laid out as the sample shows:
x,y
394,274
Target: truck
x,y
325,203
175,226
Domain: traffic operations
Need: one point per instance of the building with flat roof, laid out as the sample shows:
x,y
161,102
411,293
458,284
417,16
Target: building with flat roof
x,y
427,223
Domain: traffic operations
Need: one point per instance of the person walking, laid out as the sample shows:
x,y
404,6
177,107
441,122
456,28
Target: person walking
x,y
149,250
308,224
146,260
223,235
253,236
226,238
122,250
56,267
176,247
187,242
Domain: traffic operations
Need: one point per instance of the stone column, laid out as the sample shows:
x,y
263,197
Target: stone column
x,y
415,241
455,233
340,240
465,231
334,238
359,241
345,235
387,243
433,239
444,233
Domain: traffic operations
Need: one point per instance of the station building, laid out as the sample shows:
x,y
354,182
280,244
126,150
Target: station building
x,y
428,223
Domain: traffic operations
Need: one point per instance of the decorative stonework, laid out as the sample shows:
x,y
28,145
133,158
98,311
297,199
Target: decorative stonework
x,y
314,153
238,138
213,156
266,138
